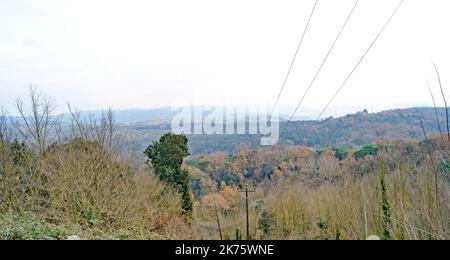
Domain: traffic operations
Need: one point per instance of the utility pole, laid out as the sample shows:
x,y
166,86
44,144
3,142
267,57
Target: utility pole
x,y
246,191
218,222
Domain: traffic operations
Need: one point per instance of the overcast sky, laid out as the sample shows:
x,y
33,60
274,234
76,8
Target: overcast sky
x,y
146,54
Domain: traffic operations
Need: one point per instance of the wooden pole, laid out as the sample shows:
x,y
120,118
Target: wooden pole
x,y
218,222
247,209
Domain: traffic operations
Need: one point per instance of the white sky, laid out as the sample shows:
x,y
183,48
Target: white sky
x,y
141,53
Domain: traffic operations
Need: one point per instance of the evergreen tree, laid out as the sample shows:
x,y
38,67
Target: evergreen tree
x,y
167,157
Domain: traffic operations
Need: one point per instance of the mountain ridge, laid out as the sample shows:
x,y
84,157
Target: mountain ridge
x,y
352,130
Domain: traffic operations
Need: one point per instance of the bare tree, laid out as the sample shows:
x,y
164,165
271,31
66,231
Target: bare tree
x,y
36,123
108,123
3,126
90,128
79,129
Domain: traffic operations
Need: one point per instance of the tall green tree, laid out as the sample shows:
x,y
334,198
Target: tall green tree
x,y
167,157
385,205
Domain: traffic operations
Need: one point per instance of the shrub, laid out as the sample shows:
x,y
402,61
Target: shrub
x,y
81,183
365,151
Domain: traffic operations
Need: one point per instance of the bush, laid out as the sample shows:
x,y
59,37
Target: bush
x,y
341,154
82,184
365,151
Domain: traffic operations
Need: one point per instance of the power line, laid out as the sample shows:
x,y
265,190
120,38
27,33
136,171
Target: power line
x,y
294,58
324,60
360,61
321,66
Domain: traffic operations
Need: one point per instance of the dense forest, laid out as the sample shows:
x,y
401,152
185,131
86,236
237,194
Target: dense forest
x,y
327,194
353,130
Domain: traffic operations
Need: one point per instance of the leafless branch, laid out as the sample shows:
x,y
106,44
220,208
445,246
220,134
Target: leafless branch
x,y
3,126
36,123
435,110
431,159
92,129
445,101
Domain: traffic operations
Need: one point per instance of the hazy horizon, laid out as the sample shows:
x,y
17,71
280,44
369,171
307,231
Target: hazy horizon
x,y
151,54
140,115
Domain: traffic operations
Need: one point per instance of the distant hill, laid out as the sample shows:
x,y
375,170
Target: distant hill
x,y
131,116
364,128
144,116
353,130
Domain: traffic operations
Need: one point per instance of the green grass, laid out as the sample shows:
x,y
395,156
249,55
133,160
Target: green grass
x,y
29,227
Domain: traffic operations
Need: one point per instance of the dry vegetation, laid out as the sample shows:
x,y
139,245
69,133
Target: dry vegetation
x,y
82,184
59,180
353,209
395,190
396,194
